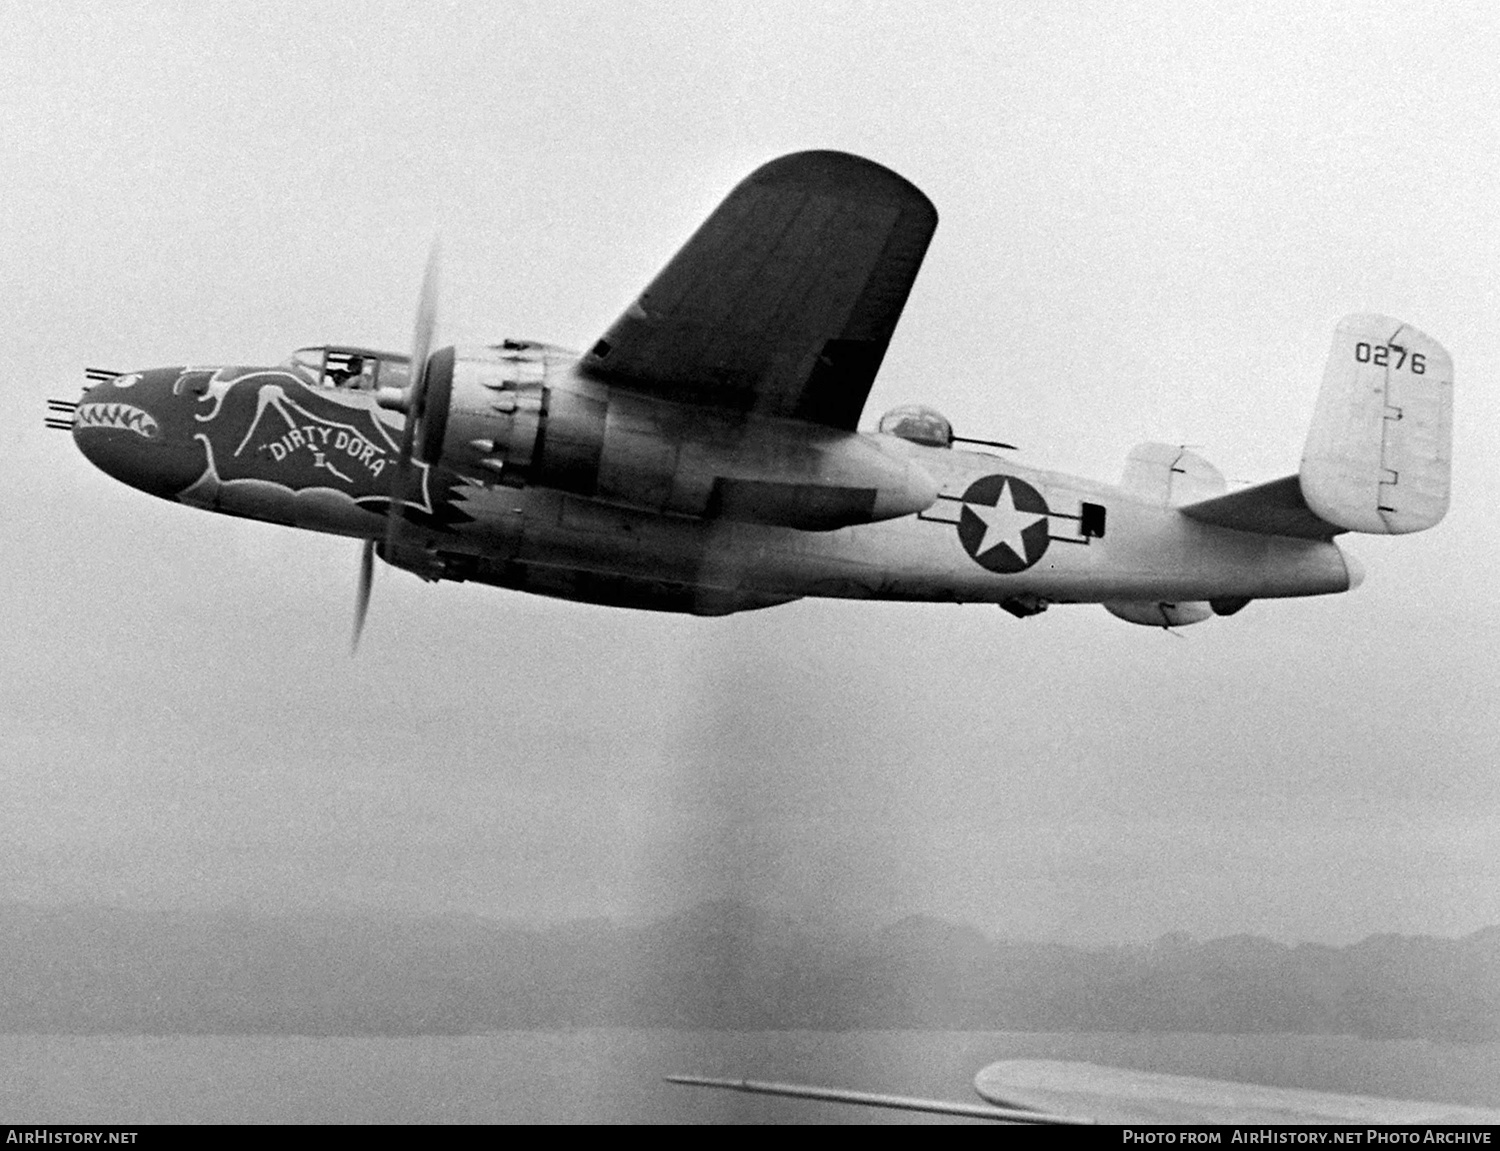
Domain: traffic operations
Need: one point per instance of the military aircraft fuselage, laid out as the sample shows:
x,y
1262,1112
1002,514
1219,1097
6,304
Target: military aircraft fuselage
x,y
704,454
548,480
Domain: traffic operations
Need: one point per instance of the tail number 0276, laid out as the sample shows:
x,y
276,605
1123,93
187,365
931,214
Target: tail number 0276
x,y
1380,355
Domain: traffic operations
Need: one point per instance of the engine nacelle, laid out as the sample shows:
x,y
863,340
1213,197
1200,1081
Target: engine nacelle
x,y
1159,613
518,414
488,408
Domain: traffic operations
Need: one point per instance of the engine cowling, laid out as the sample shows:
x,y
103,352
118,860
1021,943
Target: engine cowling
x,y
518,413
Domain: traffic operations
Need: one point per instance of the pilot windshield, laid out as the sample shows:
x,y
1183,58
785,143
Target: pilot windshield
x,y
307,363
349,369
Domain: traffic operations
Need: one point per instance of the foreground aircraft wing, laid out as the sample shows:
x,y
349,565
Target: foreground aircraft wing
x,y
1053,1091
784,300
1118,1095
875,1099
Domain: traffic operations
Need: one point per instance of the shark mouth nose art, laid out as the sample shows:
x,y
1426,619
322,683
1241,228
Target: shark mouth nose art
x,y
127,417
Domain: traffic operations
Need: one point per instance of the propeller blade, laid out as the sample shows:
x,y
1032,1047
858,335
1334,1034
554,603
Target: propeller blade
x,y
362,600
421,336
412,401
416,391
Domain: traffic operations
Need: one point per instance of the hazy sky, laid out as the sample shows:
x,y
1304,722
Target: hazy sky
x,y
1151,218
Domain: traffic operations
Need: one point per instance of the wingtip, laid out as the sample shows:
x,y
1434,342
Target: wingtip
x,y
846,174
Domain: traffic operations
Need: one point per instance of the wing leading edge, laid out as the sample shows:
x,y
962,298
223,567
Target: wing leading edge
x,y
875,1099
1045,1091
784,300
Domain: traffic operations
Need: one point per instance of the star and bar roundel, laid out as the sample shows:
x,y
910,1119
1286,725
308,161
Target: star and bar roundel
x,y
1002,523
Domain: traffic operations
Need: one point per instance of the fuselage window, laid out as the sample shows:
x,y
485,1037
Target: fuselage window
x,y
1091,521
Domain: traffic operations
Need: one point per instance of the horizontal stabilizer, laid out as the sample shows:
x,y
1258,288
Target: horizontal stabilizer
x,y
1270,509
1378,453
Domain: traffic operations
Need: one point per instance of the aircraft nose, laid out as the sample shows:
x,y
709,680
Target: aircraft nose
x,y
132,427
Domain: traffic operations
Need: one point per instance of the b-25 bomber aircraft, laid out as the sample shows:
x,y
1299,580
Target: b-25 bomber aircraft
x,y
704,454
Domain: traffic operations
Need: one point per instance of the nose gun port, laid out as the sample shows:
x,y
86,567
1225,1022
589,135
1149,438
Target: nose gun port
x,y
61,415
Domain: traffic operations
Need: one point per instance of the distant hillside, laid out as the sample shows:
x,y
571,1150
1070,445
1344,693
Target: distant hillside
x,y
721,965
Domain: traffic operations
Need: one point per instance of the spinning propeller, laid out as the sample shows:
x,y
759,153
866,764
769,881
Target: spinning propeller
x,y
412,400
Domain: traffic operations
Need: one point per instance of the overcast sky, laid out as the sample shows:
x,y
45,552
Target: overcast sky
x,y
1151,218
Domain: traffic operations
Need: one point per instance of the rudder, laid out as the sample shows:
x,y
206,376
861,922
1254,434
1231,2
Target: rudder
x,y
1378,455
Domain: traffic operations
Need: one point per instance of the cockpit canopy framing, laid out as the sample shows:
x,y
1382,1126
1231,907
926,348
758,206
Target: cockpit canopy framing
x,y
350,368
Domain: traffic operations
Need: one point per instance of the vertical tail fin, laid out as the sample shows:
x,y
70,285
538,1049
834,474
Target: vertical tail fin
x,y
1378,454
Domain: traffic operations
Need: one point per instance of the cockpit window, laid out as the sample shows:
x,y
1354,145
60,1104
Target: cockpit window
x,y
351,369
307,363
393,373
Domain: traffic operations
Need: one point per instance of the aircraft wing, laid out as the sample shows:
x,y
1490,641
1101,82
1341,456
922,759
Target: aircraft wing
x,y
1053,1091
875,1099
1118,1095
784,300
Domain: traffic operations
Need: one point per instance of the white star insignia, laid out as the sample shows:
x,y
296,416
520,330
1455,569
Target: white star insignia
x,y
1004,524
